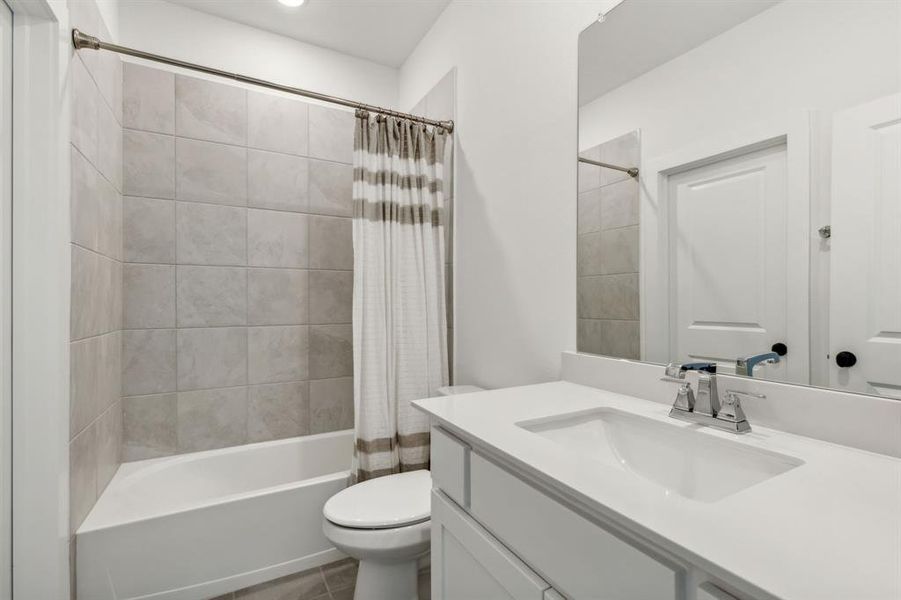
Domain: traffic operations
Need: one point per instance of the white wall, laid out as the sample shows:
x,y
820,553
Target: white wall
x,y
515,262
172,30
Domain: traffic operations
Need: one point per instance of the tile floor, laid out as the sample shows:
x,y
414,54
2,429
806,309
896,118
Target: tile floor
x,y
334,581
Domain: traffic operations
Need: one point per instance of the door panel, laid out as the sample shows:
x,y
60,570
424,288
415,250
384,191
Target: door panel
x,y
865,314
729,263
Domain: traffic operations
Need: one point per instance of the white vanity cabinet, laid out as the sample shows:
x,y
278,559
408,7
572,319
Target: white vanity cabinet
x,y
469,564
495,536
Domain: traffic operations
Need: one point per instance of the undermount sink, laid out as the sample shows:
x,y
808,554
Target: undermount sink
x,y
681,459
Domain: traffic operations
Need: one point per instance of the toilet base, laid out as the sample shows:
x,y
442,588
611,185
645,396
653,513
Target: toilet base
x,y
378,580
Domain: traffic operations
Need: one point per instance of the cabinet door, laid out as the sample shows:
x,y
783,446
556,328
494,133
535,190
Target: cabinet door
x,y
469,564
583,560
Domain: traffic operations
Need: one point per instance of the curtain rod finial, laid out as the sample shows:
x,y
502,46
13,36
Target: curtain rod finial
x,y
82,40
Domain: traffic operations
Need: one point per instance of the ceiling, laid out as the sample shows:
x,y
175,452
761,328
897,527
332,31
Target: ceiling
x,y
383,31
639,35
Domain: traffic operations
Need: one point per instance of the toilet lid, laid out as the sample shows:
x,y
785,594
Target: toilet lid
x,y
384,502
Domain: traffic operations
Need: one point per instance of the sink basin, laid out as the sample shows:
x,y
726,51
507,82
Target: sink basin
x,y
680,459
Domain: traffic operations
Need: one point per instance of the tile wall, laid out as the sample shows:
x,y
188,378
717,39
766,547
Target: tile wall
x,y
608,257
95,155
238,265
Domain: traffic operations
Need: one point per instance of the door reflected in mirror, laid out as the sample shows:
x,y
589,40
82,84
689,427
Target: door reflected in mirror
x,y
740,188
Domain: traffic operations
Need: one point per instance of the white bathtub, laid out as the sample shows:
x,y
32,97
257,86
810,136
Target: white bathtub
x,y
194,526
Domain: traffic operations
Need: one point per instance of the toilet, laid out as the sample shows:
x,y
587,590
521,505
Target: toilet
x,y
385,524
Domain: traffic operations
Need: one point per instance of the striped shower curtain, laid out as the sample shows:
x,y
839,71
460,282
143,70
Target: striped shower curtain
x,y
399,321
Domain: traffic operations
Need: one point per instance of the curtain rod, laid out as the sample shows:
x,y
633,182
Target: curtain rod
x,y
632,171
82,40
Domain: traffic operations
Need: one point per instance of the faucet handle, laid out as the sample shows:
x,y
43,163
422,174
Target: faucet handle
x,y
673,372
731,410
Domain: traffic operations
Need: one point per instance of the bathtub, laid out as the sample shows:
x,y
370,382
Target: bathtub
x,y
194,526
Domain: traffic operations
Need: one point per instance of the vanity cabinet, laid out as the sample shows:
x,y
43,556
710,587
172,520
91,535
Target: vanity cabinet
x,y
496,536
468,563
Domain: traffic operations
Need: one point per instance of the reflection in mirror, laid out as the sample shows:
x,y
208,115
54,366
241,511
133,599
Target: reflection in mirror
x,y
762,230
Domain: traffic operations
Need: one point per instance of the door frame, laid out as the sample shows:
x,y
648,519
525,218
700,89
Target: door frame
x,y
794,131
40,300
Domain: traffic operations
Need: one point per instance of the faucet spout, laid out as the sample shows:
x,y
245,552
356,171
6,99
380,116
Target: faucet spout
x,y
745,366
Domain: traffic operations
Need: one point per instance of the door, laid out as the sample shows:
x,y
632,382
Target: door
x,y
469,564
6,47
729,265
865,312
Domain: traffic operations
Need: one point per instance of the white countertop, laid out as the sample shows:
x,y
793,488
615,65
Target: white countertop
x,y
828,529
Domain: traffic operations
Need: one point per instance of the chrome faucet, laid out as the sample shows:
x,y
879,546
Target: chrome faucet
x,y
705,407
745,366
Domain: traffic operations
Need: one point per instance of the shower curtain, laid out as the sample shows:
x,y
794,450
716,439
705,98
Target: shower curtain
x,y
399,321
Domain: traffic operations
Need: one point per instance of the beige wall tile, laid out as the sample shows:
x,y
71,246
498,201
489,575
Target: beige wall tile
x,y
109,445
149,296
277,181
83,452
331,243
608,297
212,357
276,123
96,209
109,146
589,212
96,294
331,133
210,235
95,378
149,230
212,419
619,204
276,239
331,296
620,339
148,98
331,351
277,354
148,361
331,188
85,110
209,172
278,410
331,404
149,426
148,164
619,250
208,110
277,297
211,296
622,151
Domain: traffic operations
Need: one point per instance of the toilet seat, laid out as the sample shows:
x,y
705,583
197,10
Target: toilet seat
x,y
388,502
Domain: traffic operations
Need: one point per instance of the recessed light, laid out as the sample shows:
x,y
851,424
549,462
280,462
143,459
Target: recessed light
x,y
292,3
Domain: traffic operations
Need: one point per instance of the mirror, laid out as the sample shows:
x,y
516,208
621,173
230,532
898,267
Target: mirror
x,y
762,230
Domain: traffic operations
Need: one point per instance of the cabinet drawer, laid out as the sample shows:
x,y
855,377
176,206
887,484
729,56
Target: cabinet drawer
x,y
578,557
450,466
468,563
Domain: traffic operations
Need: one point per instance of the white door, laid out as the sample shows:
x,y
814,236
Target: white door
x,y
729,265
865,311
6,46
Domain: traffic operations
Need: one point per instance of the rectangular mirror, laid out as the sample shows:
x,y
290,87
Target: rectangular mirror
x,y
740,188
